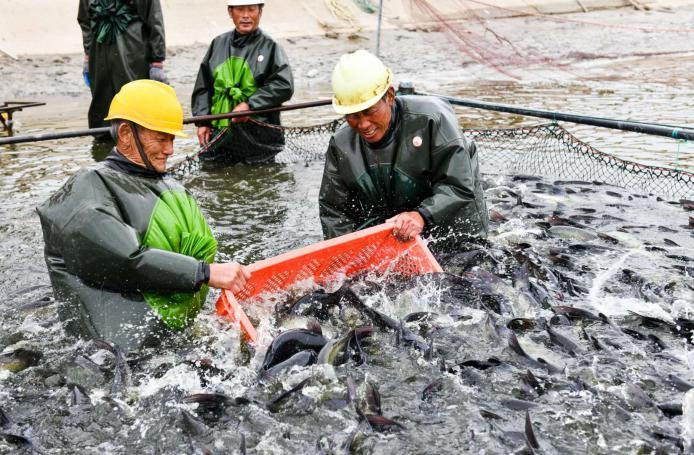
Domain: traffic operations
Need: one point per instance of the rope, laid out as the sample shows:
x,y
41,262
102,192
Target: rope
x,y
366,6
340,11
579,21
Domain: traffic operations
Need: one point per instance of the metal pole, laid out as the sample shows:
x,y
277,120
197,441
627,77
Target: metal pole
x,y
202,118
378,29
655,129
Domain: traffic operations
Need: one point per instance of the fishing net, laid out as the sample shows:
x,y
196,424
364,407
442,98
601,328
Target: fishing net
x,y
546,150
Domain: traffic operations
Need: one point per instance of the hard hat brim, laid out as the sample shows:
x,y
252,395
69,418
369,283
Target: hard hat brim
x,y
354,108
245,2
172,131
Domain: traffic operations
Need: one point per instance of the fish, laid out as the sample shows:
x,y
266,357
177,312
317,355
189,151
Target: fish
x,y
565,343
300,359
289,343
670,409
678,383
518,349
214,404
481,364
384,321
191,425
242,448
421,316
121,369
19,360
4,420
574,313
19,440
518,405
336,352
317,304
531,383
432,388
571,233
274,404
79,396
530,437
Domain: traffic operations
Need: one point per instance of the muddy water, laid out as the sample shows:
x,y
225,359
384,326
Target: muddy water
x,y
262,211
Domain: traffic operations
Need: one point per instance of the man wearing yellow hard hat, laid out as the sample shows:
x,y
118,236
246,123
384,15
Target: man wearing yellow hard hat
x,y
401,159
129,253
244,69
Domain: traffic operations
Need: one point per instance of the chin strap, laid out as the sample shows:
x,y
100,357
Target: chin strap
x,y
140,149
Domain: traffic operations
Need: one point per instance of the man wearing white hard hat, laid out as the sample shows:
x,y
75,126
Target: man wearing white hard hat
x,y
401,159
244,69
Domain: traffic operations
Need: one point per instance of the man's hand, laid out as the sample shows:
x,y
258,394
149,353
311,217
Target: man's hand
x,y
204,133
85,71
156,72
241,107
232,276
407,225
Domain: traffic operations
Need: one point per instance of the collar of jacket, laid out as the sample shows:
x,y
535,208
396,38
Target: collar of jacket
x,y
115,160
392,127
239,40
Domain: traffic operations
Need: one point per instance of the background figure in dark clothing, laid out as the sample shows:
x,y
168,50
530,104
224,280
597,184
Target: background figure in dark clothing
x,y
244,69
123,41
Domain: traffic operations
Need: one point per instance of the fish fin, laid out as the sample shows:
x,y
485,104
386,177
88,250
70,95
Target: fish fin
x,y
530,433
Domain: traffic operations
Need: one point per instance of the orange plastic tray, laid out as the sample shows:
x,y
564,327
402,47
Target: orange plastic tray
x,y
374,249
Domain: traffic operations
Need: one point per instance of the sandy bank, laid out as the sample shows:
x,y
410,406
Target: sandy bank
x,y
29,27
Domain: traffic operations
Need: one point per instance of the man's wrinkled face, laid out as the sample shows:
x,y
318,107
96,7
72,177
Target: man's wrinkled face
x,y
246,18
372,123
157,146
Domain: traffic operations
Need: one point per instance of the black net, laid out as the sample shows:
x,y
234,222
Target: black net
x,y
546,150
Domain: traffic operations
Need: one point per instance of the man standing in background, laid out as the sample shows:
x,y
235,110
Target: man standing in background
x,y
244,69
123,41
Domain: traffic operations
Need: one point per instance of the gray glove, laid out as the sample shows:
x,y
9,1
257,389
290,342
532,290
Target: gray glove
x,y
158,74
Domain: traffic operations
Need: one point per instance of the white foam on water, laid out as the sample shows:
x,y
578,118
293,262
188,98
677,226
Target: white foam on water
x,y
688,421
182,377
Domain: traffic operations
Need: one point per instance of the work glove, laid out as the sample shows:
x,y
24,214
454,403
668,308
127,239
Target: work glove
x,y
85,72
156,73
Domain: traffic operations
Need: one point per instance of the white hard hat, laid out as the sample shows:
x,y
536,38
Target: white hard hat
x,y
359,81
245,2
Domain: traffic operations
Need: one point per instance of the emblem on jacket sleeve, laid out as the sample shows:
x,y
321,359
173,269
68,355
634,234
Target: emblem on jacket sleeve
x,y
417,141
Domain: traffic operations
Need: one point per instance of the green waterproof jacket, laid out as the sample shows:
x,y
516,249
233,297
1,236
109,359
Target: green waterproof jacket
x,y
242,68
126,251
121,38
434,170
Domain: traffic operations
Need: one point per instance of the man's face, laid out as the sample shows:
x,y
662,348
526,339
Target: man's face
x,y
372,123
157,146
246,18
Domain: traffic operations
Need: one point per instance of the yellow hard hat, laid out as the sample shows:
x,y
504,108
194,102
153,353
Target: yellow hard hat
x,y
360,79
150,104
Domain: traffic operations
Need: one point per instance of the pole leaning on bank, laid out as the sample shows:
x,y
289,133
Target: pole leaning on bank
x,y
378,28
201,118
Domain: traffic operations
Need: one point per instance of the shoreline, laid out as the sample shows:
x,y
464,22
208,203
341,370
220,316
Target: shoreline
x,y
188,24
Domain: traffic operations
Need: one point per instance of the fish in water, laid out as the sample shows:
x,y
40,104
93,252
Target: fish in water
x,y
385,322
79,396
564,342
274,404
214,405
191,425
317,304
290,343
572,233
300,359
530,433
337,351
19,360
